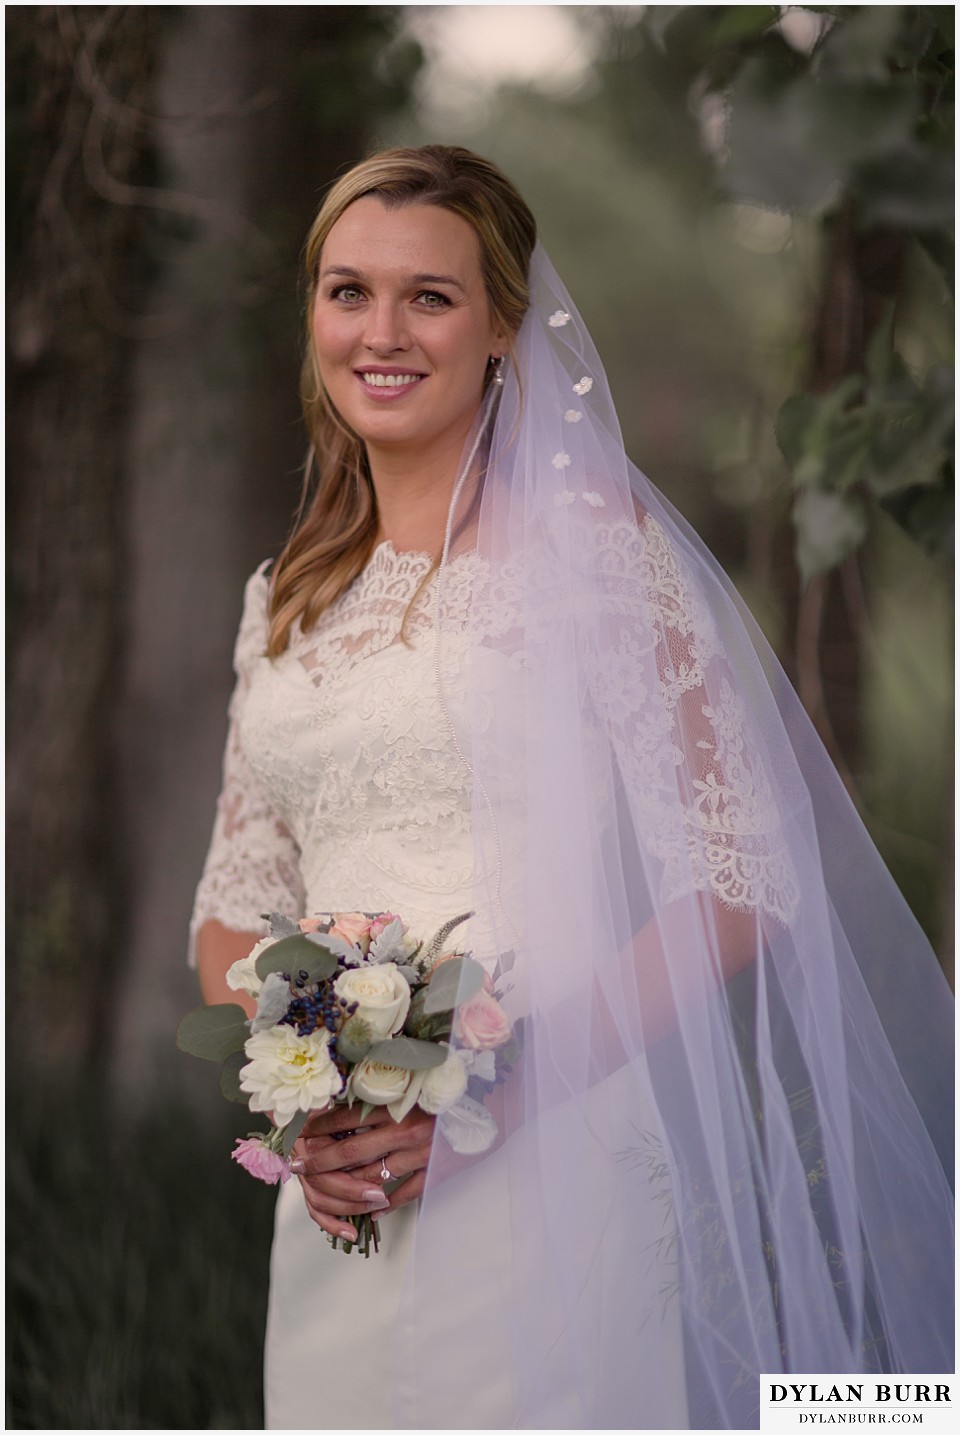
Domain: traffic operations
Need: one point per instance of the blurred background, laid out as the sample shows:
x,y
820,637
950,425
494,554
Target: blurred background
x,y
752,206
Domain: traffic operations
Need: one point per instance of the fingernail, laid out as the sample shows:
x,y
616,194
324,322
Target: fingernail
x,y
297,1167
376,1197
347,1233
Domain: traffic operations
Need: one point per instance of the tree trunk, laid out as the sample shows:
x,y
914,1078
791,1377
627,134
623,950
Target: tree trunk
x,y
80,81
217,443
862,274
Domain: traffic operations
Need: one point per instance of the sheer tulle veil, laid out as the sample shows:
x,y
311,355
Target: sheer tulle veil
x,y
730,1127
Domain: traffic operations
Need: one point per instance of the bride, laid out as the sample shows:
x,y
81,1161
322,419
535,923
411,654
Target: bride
x,y
492,671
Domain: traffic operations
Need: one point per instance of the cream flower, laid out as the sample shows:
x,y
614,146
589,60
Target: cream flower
x,y
583,386
383,995
558,319
561,460
242,976
289,1073
384,1085
443,1086
573,416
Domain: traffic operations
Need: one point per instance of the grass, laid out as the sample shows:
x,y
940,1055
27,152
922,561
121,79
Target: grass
x,y
137,1257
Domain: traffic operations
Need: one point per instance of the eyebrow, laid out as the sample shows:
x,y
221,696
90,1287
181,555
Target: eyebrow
x,y
348,273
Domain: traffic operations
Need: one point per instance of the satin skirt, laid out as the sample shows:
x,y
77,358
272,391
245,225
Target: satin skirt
x,y
331,1360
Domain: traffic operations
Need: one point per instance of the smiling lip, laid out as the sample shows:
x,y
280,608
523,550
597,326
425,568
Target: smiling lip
x,y
386,382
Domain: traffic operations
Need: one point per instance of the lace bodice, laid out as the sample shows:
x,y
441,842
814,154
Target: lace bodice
x,y
344,788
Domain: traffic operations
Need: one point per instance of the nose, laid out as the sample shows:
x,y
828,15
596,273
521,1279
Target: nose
x,y
386,330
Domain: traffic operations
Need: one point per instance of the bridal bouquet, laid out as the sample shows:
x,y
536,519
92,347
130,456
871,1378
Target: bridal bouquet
x,y
351,1010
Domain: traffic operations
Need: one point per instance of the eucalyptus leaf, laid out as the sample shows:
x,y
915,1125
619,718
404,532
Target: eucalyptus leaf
x,y
230,1077
407,1053
292,955
292,1130
213,1032
453,982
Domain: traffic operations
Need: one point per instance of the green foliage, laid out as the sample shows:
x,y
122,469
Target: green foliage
x,y
881,435
230,1077
213,1032
292,1130
408,1053
863,120
297,954
451,983
136,1265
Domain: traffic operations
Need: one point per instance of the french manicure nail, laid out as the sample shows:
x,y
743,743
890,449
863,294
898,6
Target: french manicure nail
x,y
347,1233
376,1197
297,1167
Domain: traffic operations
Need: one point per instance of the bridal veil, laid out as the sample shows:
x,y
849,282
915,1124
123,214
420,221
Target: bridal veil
x,y
730,1126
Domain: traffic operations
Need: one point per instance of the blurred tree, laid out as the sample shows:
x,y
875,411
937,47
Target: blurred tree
x,y
843,114
77,75
153,362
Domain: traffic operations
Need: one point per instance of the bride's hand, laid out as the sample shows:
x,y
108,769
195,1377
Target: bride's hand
x,y
340,1165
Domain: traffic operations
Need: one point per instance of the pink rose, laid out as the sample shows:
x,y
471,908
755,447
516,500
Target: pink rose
x,y
380,924
481,1023
310,924
255,1156
352,927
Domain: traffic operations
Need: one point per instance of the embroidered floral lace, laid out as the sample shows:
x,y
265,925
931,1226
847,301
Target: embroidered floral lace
x,y
343,787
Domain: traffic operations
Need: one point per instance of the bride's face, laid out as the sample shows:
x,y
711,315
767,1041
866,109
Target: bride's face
x,y
402,326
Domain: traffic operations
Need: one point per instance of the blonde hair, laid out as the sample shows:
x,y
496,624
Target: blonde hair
x,y
335,528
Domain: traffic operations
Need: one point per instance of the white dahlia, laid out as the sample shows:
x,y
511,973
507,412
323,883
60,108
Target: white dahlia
x,y
289,1073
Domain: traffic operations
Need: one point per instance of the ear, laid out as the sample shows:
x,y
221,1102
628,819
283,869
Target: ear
x,y
499,342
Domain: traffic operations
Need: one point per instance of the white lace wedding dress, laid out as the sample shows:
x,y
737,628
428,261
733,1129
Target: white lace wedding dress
x,y
344,790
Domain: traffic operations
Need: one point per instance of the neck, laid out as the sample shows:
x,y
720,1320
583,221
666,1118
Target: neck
x,y
413,494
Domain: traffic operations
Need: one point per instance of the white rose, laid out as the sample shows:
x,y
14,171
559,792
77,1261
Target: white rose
x,y
242,976
443,1086
382,994
289,1073
382,1085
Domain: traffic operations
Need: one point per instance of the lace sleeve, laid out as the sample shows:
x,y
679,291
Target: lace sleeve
x,y
253,864
723,836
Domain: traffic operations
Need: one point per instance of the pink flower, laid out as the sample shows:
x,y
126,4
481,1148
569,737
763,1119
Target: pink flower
x,y
352,927
310,924
255,1156
379,924
481,1023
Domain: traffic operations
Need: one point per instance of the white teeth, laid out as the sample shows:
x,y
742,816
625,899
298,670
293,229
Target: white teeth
x,y
390,381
